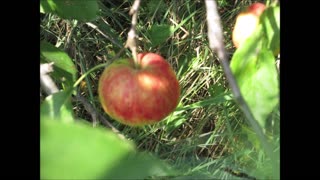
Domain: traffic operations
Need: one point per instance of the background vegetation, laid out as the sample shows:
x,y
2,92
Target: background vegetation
x,y
207,136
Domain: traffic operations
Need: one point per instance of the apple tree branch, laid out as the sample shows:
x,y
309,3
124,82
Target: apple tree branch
x,y
49,86
46,81
131,41
216,44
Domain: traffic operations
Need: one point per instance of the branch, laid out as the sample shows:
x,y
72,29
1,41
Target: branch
x,y
46,81
215,36
131,41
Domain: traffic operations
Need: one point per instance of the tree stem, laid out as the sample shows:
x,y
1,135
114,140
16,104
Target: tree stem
x,y
131,41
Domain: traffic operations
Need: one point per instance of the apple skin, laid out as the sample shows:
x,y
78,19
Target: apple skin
x,y
246,22
139,94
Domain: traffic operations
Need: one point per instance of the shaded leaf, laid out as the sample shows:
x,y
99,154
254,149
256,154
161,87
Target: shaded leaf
x,y
64,69
160,33
83,10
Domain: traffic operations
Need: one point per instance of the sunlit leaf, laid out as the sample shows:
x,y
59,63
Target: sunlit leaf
x,y
253,66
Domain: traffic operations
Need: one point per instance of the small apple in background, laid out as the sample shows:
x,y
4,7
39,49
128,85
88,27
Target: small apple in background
x,y
246,22
139,94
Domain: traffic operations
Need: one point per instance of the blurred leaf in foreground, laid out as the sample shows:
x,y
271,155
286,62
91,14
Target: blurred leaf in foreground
x,y
78,151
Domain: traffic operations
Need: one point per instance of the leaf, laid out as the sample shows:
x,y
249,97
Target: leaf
x,y
64,69
253,66
78,151
160,33
82,10
58,106
270,20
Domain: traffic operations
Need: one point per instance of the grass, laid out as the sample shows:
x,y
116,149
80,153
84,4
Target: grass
x,y
206,136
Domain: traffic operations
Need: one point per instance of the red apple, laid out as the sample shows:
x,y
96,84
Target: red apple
x,y
139,94
246,22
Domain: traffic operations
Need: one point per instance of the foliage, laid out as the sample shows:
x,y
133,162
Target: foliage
x,y
205,137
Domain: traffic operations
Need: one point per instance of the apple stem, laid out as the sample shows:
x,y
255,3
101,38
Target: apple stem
x,y
131,41
216,44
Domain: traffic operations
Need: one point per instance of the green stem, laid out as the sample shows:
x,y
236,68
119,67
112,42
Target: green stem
x,y
88,72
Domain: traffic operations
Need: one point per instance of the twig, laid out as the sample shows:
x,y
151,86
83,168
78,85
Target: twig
x,y
216,44
46,81
97,116
131,41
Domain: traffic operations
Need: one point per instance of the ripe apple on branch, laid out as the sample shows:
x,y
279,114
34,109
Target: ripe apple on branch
x,y
139,93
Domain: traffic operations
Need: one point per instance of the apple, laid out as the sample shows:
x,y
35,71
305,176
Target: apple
x,y
246,22
139,93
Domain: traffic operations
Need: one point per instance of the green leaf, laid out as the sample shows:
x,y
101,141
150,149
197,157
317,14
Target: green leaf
x,y
65,71
58,106
82,10
253,66
78,151
270,20
160,33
